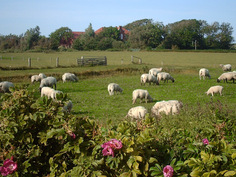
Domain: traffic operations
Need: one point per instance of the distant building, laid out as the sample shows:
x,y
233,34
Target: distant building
x,y
123,35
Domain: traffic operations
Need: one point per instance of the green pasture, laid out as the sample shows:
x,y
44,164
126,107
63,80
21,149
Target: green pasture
x,y
90,96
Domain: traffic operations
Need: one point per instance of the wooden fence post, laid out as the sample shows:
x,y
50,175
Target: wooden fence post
x,y
140,61
132,59
29,62
122,61
57,62
105,60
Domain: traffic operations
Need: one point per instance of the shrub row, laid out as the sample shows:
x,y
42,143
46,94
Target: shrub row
x,y
40,139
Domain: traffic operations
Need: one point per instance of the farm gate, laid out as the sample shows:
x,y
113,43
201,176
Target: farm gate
x,y
92,61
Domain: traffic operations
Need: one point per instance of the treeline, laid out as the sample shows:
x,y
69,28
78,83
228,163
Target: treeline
x,y
143,34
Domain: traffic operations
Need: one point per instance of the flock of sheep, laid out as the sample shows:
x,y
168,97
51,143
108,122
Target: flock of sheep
x,y
169,107
154,76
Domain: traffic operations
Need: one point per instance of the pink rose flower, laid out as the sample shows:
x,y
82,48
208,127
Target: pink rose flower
x,y
72,135
205,141
168,171
9,166
108,151
110,146
116,144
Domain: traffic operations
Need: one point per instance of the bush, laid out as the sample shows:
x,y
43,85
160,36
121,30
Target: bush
x,y
45,141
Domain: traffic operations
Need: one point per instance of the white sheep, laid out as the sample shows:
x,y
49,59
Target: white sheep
x,y
5,85
148,78
54,94
68,106
169,107
227,77
49,92
155,71
137,113
203,72
226,67
48,82
215,89
69,77
114,88
37,78
142,94
164,77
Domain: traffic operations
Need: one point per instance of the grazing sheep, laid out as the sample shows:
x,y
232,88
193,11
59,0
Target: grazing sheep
x,y
215,89
68,106
142,94
148,78
114,88
169,107
37,78
48,82
226,67
49,92
165,77
204,73
69,77
5,85
137,113
227,77
155,71
54,94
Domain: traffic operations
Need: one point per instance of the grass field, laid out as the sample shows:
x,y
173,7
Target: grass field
x,y
90,96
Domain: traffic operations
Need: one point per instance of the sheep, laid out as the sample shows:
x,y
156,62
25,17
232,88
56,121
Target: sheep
x,y
155,71
69,77
169,107
54,94
114,88
148,78
203,72
37,78
226,67
137,113
165,77
49,92
5,85
227,77
48,82
215,89
142,94
68,106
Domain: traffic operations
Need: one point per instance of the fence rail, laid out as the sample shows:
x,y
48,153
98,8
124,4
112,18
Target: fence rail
x,y
92,61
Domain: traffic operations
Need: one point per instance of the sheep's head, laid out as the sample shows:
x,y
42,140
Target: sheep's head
x,y
218,80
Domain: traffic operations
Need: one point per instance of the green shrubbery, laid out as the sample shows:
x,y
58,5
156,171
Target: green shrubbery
x,y
45,141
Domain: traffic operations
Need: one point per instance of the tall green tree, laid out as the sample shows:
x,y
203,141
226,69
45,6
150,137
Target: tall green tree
x,y
31,38
150,35
182,34
62,36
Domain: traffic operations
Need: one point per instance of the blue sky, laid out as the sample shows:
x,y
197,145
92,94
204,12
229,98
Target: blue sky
x,y
16,16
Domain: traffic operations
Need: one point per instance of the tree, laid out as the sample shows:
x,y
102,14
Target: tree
x,y
31,38
109,32
62,36
150,35
138,23
182,34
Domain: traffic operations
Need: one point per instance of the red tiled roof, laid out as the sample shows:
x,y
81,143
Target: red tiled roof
x,y
77,34
99,30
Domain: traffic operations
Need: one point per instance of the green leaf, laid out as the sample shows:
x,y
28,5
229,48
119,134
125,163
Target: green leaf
x,y
151,160
230,173
129,150
138,158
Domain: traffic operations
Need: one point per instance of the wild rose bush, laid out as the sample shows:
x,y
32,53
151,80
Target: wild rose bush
x,y
45,141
